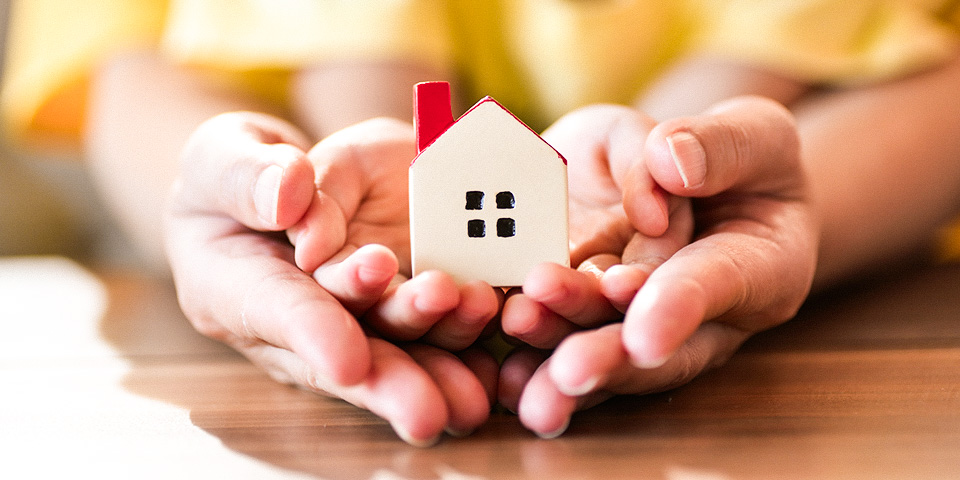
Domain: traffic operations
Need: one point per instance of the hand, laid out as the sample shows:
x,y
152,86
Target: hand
x,y
601,144
749,267
245,178
361,209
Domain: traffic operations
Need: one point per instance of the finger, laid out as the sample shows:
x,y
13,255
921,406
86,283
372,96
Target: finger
x,y
572,294
411,308
363,159
608,150
407,395
590,367
751,282
468,406
753,262
531,322
620,283
320,233
642,255
396,388
542,408
485,367
242,289
516,371
361,195
648,253
574,377
359,279
541,405
666,311
747,143
595,361
596,265
709,347
250,167
460,328
585,361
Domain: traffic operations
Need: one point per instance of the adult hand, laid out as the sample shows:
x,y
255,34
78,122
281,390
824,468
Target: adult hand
x,y
245,178
748,268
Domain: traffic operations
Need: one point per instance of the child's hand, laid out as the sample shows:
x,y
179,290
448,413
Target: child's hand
x,y
749,267
245,178
601,144
360,215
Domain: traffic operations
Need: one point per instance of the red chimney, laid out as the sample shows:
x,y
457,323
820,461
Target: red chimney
x,y
432,111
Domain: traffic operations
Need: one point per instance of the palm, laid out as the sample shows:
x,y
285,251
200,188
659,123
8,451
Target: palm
x,y
598,224
599,165
361,196
376,211
603,146
358,228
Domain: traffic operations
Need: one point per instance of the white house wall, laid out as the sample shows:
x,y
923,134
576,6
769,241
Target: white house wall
x,y
488,150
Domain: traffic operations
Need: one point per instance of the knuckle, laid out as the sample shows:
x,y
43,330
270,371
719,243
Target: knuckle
x,y
687,364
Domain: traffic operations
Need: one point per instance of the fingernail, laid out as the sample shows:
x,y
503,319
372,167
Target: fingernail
x,y
689,157
370,275
649,363
422,443
266,193
579,390
458,433
556,433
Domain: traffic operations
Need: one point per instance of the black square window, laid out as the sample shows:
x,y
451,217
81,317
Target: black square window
x,y
506,227
477,228
474,200
505,200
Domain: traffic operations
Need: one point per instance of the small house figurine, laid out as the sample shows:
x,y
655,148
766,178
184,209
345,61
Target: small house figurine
x,y
488,196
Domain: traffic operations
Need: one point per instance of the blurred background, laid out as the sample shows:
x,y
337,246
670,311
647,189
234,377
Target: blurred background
x,y
48,203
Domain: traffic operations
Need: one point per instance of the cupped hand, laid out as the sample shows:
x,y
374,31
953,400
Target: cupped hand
x,y
244,179
360,210
601,143
748,268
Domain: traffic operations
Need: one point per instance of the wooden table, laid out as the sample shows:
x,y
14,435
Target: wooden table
x,y
103,378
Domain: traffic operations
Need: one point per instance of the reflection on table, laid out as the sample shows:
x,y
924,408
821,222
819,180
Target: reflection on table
x,y
102,375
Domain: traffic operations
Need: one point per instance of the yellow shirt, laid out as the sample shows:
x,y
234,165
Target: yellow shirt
x,y
540,57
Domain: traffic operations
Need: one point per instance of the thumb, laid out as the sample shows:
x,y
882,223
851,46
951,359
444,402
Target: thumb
x,y
250,167
746,144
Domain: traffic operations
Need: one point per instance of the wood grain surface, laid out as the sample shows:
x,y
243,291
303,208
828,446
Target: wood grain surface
x,y
102,377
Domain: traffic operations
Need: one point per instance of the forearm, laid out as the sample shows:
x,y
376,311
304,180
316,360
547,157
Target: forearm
x,y
884,163
328,97
694,84
142,110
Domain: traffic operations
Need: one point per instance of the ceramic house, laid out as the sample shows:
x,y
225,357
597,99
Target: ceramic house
x,y
488,196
